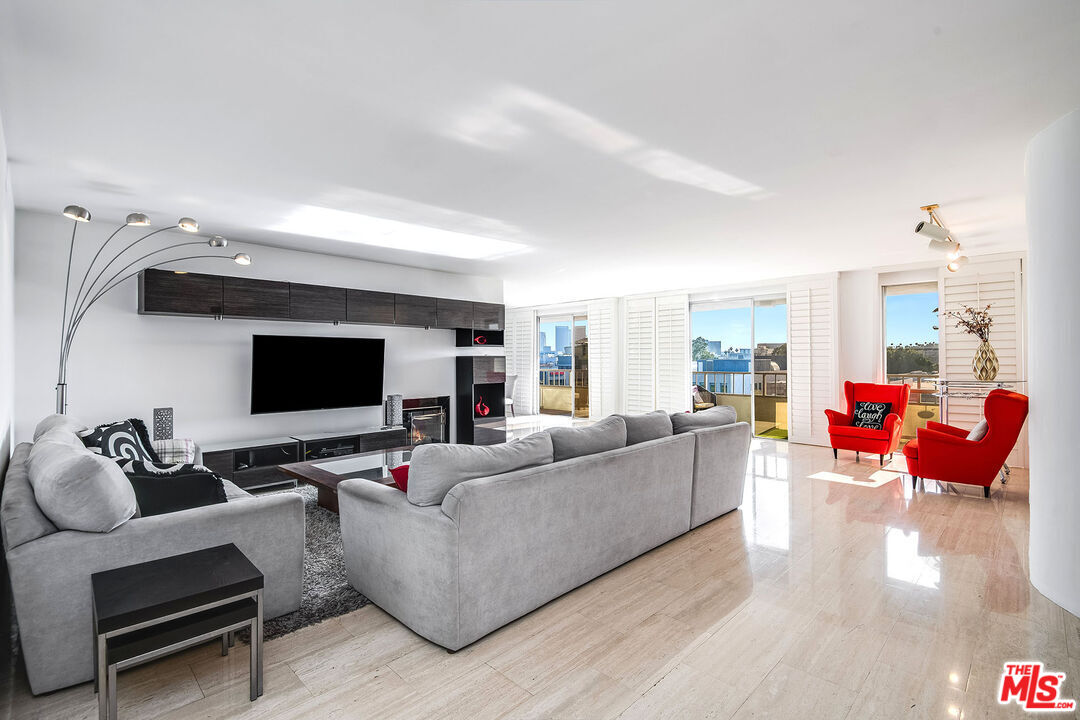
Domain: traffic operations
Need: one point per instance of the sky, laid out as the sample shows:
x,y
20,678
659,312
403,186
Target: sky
x,y
910,319
732,327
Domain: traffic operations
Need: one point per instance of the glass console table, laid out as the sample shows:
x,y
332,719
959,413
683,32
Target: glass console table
x,y
974,389
971,389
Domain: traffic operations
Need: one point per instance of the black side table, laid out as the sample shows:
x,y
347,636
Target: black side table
x,y
152,609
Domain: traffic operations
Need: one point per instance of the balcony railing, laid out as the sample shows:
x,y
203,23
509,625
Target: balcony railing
x,y
561,378
555,378
923,403
764,383
766,390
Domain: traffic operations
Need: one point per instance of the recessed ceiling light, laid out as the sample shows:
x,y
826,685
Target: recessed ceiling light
x,y
380,232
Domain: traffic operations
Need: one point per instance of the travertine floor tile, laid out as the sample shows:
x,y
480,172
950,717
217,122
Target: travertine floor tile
x,y
789,693
686,694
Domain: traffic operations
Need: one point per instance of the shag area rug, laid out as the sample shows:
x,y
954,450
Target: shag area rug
x,y
326,590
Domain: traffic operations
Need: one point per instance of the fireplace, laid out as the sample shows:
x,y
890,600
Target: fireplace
x,y
426,419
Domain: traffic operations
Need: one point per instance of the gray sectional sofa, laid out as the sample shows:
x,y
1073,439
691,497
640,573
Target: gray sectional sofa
x,y
50,568
486,535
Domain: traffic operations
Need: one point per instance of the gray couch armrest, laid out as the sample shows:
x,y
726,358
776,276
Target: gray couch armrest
x,y
50,576
719,470
403,557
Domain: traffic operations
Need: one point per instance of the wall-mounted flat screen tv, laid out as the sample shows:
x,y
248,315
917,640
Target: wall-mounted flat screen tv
x,y
291,373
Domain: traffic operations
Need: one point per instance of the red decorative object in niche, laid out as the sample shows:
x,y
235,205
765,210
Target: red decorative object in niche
x,y
480,340
481,409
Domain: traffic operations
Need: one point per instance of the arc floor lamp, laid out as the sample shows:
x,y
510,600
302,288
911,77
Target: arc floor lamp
x,y
90,291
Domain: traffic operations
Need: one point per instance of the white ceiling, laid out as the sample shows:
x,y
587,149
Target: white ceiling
x,y
629,146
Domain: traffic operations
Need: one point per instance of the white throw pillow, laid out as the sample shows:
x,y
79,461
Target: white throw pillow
x,y
77,489
979,431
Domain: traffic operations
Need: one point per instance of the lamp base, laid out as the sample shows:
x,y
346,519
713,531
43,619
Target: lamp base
x,y
61,398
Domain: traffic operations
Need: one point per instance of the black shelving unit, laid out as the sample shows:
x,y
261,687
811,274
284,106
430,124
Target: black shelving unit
x,y
479,338
480,397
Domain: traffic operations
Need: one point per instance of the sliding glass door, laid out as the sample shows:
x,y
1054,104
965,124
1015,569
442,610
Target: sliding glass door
x,y
739,358
721,357
770,367
564,365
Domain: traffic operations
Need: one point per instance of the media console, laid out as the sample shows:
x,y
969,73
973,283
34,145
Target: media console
x,y
253,464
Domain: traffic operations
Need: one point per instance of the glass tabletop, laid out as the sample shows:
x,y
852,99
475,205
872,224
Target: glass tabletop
x,y
372,465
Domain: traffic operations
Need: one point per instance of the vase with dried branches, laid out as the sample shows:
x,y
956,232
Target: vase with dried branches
x,y
978,322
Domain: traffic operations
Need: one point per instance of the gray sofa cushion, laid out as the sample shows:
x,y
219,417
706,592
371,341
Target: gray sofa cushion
x,y
51,422
437,467
608,434
713,417
20,515
649,426
76,489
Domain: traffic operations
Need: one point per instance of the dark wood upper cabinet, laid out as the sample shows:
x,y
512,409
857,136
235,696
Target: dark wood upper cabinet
x,y
169,293
414,310
488,316
366,306
166,292
452,314
263,299
316,303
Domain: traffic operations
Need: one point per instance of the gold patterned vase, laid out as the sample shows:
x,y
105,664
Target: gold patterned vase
x,y
985,364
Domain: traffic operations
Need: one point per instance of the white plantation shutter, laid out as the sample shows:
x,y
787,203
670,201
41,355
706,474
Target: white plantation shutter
x,y
812,358
603,349
522,359
673,352
998,284
639,368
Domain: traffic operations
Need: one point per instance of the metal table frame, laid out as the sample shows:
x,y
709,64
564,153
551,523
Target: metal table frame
x,y
973,389
105,682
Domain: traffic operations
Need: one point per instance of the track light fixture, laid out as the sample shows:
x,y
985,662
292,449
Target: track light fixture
x,y
955,265
940,238
936,233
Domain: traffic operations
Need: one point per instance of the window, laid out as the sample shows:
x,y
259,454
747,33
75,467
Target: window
x,y
911,349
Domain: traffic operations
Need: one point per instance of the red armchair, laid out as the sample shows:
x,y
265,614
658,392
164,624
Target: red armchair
x,y
943,452
845,436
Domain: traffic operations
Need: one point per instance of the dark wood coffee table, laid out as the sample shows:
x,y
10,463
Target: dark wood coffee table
x,y
325,474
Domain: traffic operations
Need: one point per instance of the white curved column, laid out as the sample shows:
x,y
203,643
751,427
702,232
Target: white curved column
x,y
1053,283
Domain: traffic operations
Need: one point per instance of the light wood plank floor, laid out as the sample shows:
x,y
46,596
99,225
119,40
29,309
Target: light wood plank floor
x,y
817,599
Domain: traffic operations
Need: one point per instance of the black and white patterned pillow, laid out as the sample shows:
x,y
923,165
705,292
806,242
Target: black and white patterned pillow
x,y
120,440
871,415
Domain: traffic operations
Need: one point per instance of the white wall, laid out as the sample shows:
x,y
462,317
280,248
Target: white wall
x,y
860,321
124,364
7,350
1053,177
